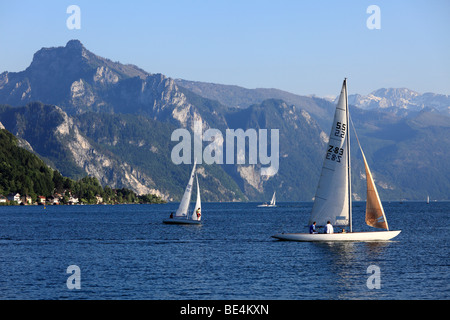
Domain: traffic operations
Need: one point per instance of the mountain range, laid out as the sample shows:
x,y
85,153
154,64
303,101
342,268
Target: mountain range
x,y
87,115
401,100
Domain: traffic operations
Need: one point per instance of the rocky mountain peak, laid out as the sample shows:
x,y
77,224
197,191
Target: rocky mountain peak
x,y
72,54
74,44
395,93
400,99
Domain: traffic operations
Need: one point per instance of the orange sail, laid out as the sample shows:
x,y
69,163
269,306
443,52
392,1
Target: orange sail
x,y
374,210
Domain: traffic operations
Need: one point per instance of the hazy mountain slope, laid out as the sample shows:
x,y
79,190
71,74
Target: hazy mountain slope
x,y
407,155
239,97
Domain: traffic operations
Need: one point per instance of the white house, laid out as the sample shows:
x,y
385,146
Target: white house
x,y
14,197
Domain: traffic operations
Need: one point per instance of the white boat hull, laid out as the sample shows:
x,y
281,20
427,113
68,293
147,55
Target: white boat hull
x,y
331,237
181,221
266,206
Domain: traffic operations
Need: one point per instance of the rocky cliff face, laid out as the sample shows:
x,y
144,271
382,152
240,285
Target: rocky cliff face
x,y
105,167
59,133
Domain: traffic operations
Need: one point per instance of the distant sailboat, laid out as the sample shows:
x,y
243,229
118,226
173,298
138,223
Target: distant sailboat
x,y
271,204
333,196
181,215
428,199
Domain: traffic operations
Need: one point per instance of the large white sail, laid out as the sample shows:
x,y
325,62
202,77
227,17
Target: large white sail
x,y
184,204
198,204
331,202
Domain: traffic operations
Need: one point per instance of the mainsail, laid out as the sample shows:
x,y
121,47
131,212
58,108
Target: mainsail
x,y
198,203
272,202
184,204
331,202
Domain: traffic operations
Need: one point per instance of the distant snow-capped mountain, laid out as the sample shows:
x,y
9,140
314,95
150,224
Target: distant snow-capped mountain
x,y
401,98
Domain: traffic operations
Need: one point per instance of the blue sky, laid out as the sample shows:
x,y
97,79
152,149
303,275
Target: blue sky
x,y
304,47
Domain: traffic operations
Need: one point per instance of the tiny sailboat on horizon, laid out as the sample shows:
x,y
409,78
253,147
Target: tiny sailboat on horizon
x,y
271,204
332,202
181,215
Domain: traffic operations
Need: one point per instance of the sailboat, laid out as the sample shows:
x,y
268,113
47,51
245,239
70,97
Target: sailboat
x,y
271,204
332,201
181,215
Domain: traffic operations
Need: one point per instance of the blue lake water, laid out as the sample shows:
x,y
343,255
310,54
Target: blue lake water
x,y
126,252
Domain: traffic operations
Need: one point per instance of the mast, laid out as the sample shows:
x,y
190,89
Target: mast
x,y
348,159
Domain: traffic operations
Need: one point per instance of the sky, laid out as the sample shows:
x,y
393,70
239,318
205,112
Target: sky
x,y
303,47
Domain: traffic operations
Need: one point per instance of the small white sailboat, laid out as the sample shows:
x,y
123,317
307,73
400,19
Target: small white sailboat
x,y
333,201
271,204
181,215
428,199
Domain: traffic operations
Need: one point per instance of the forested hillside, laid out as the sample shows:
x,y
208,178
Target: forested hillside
x,y
25,173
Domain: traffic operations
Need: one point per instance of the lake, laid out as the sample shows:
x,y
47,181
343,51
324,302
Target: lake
x,y
126,252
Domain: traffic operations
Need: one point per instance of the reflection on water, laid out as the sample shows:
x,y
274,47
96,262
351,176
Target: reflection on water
x,y
340,251
347,264
376,247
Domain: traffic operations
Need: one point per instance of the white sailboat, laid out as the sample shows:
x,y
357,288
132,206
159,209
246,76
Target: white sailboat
x,y
197,213
333,202
181,215
271,204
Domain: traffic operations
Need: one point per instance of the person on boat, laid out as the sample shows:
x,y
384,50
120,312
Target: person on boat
x,y
198,214
312,228
329,228
171,215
